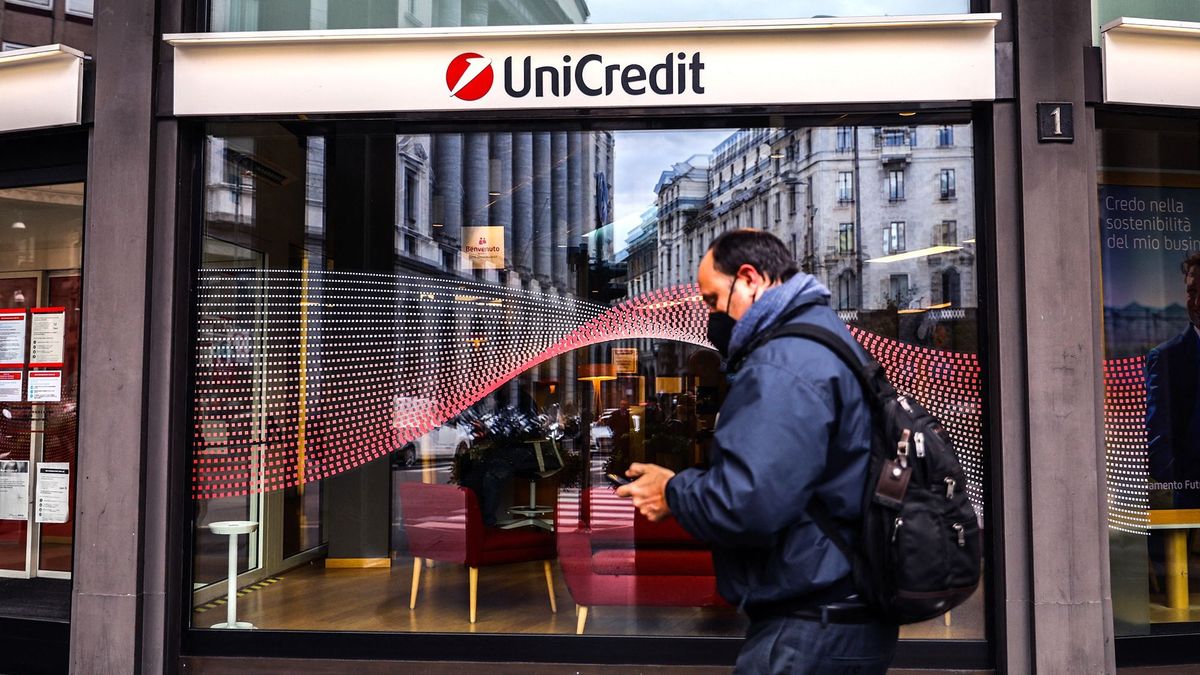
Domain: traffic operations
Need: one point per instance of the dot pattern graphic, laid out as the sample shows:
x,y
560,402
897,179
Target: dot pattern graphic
x,y
303,375
1127,458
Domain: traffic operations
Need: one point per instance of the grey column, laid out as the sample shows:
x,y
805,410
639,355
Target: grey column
x,y
475,180
559,208
121,535
545,368
576,215
588,176
543,241
474,12
570,384
448,186
447,13
514,385
1057,612
522,176
502,203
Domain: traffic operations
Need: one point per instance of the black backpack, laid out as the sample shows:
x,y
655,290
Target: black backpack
x,y
919,548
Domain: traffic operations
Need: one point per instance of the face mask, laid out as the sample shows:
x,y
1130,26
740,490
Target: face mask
x,y
720,326
720,331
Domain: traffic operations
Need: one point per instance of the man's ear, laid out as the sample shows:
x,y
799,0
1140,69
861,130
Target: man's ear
x,y
749,274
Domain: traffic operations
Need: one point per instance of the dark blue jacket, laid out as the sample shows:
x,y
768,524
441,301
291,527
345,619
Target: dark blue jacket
x,y
794,426
1173,414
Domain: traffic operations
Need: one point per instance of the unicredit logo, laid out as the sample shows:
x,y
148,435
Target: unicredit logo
x,y
469,76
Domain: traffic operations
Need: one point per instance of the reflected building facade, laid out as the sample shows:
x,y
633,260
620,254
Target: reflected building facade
x,y
883,216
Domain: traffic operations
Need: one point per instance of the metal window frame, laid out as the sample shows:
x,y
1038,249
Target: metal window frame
x,y
652,650
188,646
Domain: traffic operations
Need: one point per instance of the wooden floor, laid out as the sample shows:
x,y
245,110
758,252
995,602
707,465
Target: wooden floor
x,y
512,599
1160,613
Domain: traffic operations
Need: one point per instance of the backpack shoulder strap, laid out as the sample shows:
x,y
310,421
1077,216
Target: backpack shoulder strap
x,y
831,341
834,343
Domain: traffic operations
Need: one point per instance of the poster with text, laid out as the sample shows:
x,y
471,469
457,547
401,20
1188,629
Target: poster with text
x,y
12,338
1147,233
14,489
484,247
46,337
45,386
12,386
625,359
53,492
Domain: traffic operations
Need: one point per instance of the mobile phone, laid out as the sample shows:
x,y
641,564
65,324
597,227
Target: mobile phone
x,y
617,480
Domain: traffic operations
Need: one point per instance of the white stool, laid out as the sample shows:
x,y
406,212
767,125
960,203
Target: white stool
x,y
233,528
531,515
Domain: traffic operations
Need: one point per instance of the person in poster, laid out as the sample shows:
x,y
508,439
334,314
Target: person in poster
x,y
1172,404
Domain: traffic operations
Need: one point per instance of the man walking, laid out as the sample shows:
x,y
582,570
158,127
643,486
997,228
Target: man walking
x,y
794,430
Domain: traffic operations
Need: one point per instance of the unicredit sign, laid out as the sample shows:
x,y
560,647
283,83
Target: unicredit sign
x,y
470,76
584,67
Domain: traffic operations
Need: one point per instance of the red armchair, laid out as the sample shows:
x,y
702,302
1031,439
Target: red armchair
x,y
611,555
443,523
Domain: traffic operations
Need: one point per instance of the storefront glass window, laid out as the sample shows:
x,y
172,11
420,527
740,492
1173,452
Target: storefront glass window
x,y
41,231
418,354
1148,195
250,15
1173,10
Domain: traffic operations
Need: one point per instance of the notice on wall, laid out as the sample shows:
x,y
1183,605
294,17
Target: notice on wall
x,y
484,247
46,337
14,489
53,492
11,386
12,338
625,359
45,386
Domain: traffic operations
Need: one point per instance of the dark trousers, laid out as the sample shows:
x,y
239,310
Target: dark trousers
x,y
787,645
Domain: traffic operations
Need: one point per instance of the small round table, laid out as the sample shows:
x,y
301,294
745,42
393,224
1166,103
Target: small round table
x,y
531,513
232,528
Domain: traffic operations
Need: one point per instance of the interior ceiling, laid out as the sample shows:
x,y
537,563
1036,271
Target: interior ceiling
x,y
52,214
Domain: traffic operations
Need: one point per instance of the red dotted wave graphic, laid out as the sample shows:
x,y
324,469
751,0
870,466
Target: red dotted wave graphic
x,y
299,377
1127,463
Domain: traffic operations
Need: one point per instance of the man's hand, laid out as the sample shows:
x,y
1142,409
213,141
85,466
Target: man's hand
x,y
648,490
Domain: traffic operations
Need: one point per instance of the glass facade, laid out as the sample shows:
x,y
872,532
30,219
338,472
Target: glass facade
x,y
259,15
41,250
418,354
1147,195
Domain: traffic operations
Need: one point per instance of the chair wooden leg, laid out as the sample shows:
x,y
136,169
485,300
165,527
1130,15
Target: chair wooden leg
x,y
946,618
474,590
550,586
416,583
582,611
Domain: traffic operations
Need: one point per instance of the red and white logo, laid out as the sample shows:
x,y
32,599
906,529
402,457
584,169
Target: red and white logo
x,y
469,76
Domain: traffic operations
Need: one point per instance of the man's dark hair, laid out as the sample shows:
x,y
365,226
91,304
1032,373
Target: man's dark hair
x,y
760,249
1189,262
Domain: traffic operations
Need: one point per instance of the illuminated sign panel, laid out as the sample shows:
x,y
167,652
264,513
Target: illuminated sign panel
x,y
851,60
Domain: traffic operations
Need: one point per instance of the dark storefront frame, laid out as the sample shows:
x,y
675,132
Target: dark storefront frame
x,y
649,650
135,513
30,158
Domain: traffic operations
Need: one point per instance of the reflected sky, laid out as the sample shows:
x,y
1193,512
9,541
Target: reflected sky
x,y
640,158
621,11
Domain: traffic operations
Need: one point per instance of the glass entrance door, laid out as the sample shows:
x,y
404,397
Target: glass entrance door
x,y
41,231
18,292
